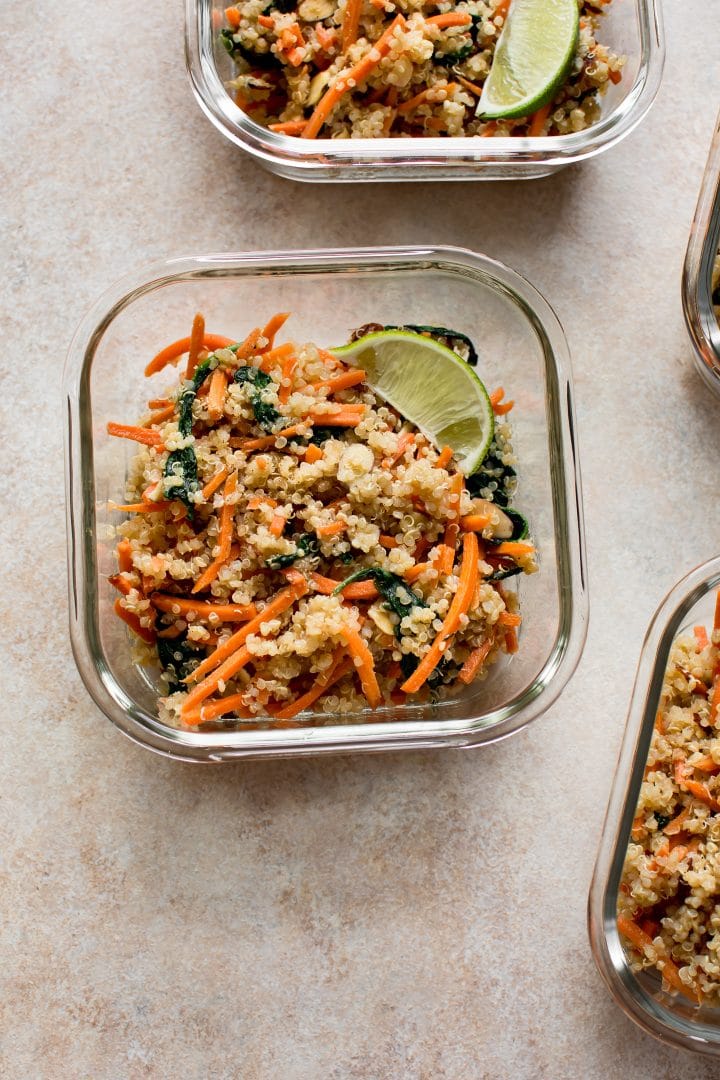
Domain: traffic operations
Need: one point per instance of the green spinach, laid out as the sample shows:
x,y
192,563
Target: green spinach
x,y
306,546
397,596
265,414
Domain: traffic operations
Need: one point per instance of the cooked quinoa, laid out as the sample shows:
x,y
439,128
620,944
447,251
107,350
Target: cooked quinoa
x,y
669,901
422,68
269,475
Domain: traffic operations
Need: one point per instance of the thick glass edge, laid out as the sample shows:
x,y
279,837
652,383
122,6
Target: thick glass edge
x,y
413,734
696,289
360,157
605,942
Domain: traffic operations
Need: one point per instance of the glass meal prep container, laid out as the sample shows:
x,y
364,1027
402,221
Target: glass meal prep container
x,y
520,342
698,272
668,1016
630,27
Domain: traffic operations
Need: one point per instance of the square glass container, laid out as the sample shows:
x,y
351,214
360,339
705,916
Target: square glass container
x,y
669,1017
521,346
702,250
630,27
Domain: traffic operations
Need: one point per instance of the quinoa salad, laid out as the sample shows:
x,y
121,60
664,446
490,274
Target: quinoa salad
x,y
669,901
290,542
396,68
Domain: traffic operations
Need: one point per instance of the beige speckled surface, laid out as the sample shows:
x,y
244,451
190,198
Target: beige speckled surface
x,y
419,916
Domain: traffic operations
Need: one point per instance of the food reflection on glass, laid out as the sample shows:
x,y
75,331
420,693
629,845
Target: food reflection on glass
x,y
339,69
668,911
322,531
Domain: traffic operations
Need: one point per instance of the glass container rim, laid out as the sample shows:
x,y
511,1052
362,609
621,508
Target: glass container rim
x,y
499,723
426,154
608,952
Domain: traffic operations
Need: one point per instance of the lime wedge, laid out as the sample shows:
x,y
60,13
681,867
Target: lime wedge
x,y
532,58
431,387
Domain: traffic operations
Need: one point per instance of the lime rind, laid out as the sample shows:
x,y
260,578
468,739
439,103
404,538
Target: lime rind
x,y
432,387
532,58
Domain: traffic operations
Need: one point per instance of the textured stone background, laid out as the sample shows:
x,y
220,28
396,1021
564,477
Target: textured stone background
x,y
390,917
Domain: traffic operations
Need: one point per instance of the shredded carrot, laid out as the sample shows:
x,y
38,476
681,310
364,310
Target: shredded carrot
x,y
338,669
226,522
450,18
511,641
414,572
459,606
216,394
474,522
267,21
214,708
707,765
341,382
173,352
232,16
326,38
348,416
280,603
332,529
502,8
538,119
124,556
471,86
406,439
444,458
350,24
351,77
514,547
615,76
701,638
133,621
137,434
389,542
289,127
161,415
676,825
214,483
312,454
230,667
277,525
475,661
140,507
420,99
356,590
271,328
265,441
120,582
364,665
509,618
716,620
641,941
181,605
272,357
286,381
197,335
159,403
247,348
261,500
447,560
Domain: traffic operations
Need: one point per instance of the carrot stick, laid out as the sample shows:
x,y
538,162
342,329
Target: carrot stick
x,y
414,572
450,18
389,542
444,458
338,669
216,394
341,382
536,126
502,8
641,941
459,606
265,441
161,415
133,621
707,765
312,454
137,434
511,641
351,22
407,438
140,507
181,605
475,661
351,78
173,352
509,618
676,825
272,326
247,348
348,416
286,379
280,603
124,556
331,530
716,620
364,664
214,483
120,582
232,16
701,637
261,500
